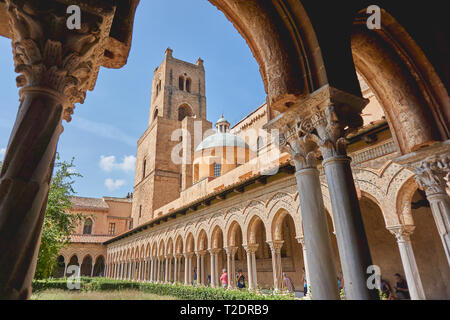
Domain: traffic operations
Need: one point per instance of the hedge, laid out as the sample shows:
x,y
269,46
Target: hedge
x,y
175,290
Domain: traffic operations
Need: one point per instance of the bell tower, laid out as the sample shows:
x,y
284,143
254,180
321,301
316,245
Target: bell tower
x,y
178,105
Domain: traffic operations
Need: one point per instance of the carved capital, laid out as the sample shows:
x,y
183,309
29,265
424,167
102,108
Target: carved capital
x,y
51,58
231,250
303,148
402,232
275,246
431,174
251,248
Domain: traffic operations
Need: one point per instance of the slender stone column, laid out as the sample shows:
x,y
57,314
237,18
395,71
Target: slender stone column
x,y
301,240
229,268
65,269
351,236
403,233
304,153
190,268
175,269
186,266
216,268
57,66
430,177
275,248
92,270
232,276
213,263
254,270
199,273
250,261
166,273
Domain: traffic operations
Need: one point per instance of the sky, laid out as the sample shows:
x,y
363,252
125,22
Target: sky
x,y
102,137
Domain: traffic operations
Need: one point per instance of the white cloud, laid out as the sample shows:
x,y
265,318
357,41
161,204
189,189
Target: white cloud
x,y
103,130
113,185
2,153
109,163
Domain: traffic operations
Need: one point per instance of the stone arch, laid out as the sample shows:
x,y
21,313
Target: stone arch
x,y
290,64
202,240
169,249
278,211
276,225
217,239
99,266
161,251
252,229
179,245
184,111
232,234
411,93
403,202
86,266
189,243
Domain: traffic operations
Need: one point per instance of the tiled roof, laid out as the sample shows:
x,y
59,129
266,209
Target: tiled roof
x,y
84,238
89,203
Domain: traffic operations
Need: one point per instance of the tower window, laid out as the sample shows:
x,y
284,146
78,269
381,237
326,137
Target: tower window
x,y
188,85
217,169
87,229
181,83
183,112
144,165
259,145
155,114
140,211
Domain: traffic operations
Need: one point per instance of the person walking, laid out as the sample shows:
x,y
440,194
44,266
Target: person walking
x,y
288,283
224,278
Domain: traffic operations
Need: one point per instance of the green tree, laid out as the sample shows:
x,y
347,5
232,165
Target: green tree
x,y
58,224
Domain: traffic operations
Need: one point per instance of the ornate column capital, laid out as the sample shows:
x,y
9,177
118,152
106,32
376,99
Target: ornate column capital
x,y
276,245
251,248
231,250
303,148
52,59
402,232
301,240
431,174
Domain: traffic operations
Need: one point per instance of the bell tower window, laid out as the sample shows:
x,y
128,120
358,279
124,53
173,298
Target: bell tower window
x,y
181,83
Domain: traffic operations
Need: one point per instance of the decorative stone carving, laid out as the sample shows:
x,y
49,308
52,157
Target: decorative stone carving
x,y
50,57
431,174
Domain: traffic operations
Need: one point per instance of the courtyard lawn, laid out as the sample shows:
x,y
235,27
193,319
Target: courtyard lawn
x,y
55,294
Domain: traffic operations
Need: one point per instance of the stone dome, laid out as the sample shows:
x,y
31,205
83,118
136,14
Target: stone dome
x,y
222,139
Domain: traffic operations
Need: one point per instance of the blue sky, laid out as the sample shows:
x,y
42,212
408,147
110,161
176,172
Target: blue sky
x,y
104,131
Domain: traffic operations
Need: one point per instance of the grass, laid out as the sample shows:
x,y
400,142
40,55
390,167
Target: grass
x,y
54,294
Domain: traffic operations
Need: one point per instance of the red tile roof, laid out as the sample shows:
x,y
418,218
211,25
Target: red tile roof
x,y
85,238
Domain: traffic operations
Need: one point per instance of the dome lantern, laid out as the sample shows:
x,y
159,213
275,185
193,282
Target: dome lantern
x,y
222,125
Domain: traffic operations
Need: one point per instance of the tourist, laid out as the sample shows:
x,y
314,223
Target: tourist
x,y
209,279
288,283
305,283
195,276
386,289
224,278
240,280
401,288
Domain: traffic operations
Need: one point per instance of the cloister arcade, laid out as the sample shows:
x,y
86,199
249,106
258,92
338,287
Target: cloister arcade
x,y
263,237
308,52
90,266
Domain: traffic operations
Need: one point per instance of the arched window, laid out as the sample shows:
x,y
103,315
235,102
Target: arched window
x,y
181,83
188,84
183,112
259,145
155,114
87,227
217,169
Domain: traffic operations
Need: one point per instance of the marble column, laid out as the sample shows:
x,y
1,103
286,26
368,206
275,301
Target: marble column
x,y
166,272
175,269
202,268
186,272
304,153
233,267
190,268
56,67
251,265
275,249
229,268
213,263
351,236
216,268
301,240
199,273
430,177
412,275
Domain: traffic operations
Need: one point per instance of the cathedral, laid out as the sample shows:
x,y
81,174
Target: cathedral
x,y
341,177
207,200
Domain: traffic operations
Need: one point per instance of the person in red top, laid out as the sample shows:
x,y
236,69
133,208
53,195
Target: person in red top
x,y
224,278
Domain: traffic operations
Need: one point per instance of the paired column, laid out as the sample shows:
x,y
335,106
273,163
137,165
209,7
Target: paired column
x,y
186,267
317,249
351,235
166,273
430,177
231,266
251,265
275,248
403,233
